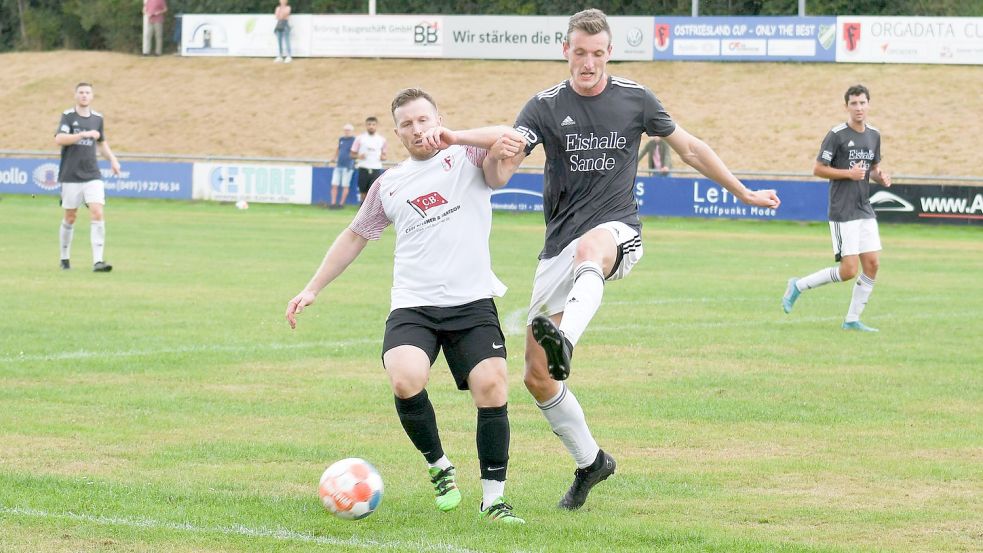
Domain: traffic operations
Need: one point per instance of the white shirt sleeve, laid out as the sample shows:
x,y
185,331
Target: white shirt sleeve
x,y
371,218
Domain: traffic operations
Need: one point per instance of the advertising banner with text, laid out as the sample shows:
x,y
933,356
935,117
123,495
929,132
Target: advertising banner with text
x,y
955,40
682,197
745,38
136,180
377,36
274,184
536,38
241,35
928,203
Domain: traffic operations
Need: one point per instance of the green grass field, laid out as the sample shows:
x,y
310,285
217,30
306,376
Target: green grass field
x,y
167,407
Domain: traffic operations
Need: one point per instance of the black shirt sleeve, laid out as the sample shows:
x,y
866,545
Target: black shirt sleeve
x,y
527,124
657,120
827,152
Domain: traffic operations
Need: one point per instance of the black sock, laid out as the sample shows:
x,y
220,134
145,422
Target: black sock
x,y
420,423
493,442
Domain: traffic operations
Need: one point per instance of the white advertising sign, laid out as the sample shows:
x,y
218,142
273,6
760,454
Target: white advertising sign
x,y
536,38
240,35
383,36
230,182
950,40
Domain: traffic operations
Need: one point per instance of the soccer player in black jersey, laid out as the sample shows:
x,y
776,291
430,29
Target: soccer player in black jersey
x,y
590,126
79,133
849,157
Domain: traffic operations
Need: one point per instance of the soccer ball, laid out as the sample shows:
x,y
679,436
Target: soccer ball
x,y
242,204
351,489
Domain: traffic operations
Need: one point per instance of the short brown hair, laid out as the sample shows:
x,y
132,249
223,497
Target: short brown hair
x,y
591,21
407,95
80,85
856,90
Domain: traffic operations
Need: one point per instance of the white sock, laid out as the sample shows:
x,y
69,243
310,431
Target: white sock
x,y
65,238
443,463
98,239
566,417
583,301
861,293
490,491
819,278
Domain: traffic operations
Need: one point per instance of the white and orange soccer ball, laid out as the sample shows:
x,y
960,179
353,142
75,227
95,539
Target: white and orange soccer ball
x,y
351,489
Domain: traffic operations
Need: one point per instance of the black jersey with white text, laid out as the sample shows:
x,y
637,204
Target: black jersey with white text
x,y
843,148
591,145
78,161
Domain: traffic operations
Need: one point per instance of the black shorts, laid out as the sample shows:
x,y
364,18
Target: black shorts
x,y
365,179
468,334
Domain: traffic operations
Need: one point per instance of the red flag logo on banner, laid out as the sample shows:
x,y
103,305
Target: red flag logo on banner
x,y
851,35
425,202
661,36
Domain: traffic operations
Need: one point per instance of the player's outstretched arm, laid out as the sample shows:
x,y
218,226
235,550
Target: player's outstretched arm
x,y
346,247
695,153
504,158
441,138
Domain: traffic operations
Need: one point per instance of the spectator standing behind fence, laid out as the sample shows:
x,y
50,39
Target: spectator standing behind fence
x,y
370,151
282,32
344,167
656,155
153,28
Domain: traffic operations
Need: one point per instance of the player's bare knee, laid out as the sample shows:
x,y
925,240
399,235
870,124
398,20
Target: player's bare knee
x,y
538,382
405,389
70,216
871,267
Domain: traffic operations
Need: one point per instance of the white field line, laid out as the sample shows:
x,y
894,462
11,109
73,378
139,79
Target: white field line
x,y
236,530
512,325
214,348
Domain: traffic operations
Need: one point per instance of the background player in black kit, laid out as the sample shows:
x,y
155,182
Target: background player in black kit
x,y
590,127
79,130
849,157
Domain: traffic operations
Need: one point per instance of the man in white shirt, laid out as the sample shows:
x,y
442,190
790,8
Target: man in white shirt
x,y
370,150
439,201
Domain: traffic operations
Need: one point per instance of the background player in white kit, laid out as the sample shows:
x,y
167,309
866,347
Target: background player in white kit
x,y
849,157
590,127
369,150
439,201
79,130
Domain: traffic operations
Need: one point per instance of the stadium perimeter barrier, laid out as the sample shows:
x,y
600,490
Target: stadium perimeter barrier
x,y
841,39
676,196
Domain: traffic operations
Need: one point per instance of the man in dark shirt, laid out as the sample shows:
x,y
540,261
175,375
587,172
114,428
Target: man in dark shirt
x,y
590,127
849,157
79,130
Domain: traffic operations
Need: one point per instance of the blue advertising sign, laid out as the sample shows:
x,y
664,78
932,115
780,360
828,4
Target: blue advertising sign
x,y
137,179
524,192
745,38
321,192
682,197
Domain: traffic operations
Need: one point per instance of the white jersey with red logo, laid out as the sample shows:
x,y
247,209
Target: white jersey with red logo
x,y
441,209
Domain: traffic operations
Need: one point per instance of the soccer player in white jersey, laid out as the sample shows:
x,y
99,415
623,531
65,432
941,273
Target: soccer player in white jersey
x,y
849,157
590,126
79,132
439,201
